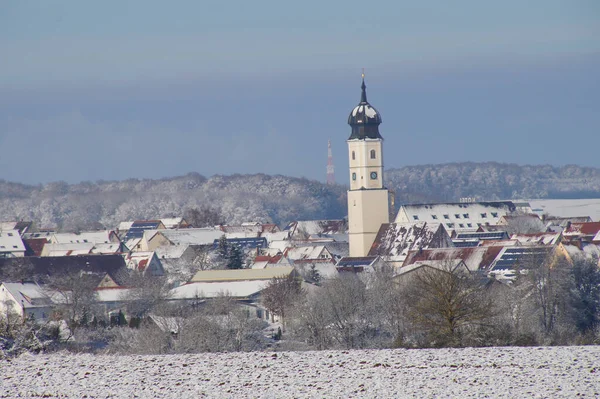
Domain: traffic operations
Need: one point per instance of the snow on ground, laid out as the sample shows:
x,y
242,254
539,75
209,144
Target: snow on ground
x,y
511,372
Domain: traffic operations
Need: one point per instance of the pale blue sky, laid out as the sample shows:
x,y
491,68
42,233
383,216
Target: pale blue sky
x,y
114,89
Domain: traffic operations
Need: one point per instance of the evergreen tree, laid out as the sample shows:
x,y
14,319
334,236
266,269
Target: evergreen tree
x,y
223,248
313,275
235,258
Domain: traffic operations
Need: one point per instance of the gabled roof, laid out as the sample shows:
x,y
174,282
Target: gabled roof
x,y
450,265
114,265
591,228
199,236
395,240
137,228
10,241
308,253
28,295
242,274
538,238
477,258
174,223
34,246
356,264
20,226
312,227
236,289
511,258
68,249
94,237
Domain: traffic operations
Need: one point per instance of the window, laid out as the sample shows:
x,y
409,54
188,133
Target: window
x,y
466,215
494,214
483,215
451,225
415,217
446,216
373,154
456,215
461,225
478,224
14,246
353,156
10,234
469,225
434,217
353,176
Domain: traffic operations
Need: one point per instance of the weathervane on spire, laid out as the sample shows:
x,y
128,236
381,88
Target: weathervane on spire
x,y
363,96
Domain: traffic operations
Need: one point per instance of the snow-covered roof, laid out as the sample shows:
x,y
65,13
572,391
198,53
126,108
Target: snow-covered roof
x,y
96,237
200,236
124,226
276,236
583,229
242,274
313,227
318,252
138,260
67,249
171,251
538,238
29,295
395,240
456,216
105,248
173,223
10,241
236,289
116,294
445,265
132,243
475,258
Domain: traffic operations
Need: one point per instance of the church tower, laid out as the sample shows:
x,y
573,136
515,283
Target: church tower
x,y
368,206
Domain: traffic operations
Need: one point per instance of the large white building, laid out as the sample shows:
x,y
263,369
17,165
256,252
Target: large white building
x,y
368,206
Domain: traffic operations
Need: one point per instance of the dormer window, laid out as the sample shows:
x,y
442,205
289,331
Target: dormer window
x,y
466,215
434,217
483,215
494,214
457,216
373,155
446,216
415,217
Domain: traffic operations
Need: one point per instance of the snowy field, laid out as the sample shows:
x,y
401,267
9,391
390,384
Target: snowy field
x,y
559,372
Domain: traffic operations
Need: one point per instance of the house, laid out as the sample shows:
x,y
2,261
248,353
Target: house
x,y
244,285
11,244
462,216
450,266
538,238
522,223
34,246
20,226
110,270
138,227
175,223
144,262
582,232
474,258
264,261
152,239
94,237
67,249
26,299
395,240
303,229
352,264
245,230
513,260
244,243
474,239
309,254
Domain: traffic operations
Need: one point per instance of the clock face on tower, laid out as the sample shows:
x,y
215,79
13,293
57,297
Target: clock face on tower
x,y
373,175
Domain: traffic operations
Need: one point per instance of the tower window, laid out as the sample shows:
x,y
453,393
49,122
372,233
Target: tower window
x,y
353,175
353,156
373,155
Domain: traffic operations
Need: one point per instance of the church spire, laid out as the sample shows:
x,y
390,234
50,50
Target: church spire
x,y
363,96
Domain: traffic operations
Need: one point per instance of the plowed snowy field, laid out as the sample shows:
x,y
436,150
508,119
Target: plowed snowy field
x,y
559,372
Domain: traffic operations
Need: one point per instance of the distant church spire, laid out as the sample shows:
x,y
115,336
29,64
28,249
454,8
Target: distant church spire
x,y
330,170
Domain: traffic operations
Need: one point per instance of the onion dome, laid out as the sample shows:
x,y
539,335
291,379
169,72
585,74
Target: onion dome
x,y
364,118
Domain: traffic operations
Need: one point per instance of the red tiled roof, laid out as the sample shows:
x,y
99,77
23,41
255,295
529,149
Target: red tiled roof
x,y
34,246
480,257
590,228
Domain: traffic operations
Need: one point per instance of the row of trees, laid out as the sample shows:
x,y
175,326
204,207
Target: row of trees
x,y
550,303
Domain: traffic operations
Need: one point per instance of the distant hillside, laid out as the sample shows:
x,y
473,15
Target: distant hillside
x,y
492,181
278,198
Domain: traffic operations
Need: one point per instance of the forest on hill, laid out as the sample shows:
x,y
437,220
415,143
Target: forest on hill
x,y
279,199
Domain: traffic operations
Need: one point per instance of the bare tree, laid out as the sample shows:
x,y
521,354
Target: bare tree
x,y
281,294
148,294
446,303
204,216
